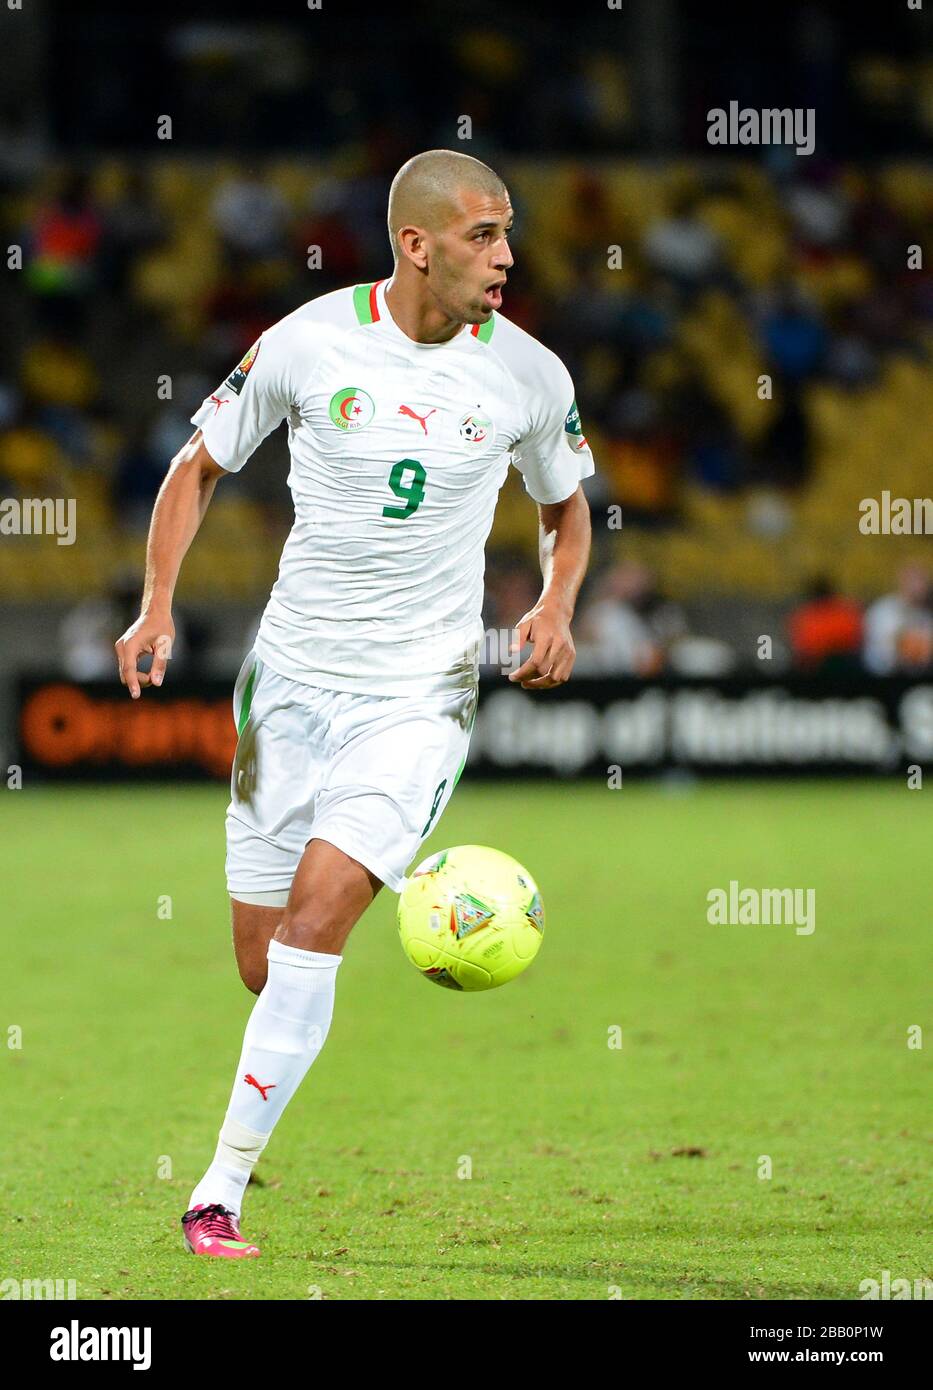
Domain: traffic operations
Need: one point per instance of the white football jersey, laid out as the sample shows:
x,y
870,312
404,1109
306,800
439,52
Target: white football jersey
x,y
398,451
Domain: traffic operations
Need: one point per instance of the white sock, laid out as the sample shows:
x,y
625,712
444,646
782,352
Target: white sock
x,y
285,1032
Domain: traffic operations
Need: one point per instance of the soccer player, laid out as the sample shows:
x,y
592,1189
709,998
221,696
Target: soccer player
x,y
405,401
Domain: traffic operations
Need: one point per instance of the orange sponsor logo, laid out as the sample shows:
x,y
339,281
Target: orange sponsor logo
x,y
63,726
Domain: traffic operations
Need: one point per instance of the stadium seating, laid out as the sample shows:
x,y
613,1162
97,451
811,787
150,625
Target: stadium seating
x,y
757,535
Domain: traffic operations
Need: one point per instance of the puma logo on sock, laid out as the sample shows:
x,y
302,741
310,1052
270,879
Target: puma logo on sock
x,y
251,1081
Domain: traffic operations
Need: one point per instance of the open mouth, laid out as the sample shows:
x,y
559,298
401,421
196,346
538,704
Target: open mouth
x,y
493,294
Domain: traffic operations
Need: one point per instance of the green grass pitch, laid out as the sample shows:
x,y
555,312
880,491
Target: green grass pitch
x,y
597,1171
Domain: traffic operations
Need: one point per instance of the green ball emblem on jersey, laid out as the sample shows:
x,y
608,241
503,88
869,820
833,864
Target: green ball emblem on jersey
x,y
351,408
475,428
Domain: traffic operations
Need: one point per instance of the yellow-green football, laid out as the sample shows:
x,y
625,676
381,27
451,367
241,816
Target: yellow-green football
x,y
470,918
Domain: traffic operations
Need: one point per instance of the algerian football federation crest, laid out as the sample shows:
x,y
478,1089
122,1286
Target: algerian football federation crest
x,y
475,428
351,408
237,378
573,429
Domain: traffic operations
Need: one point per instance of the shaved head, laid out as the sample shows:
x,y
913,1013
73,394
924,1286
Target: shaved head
x,y
428,189
450,218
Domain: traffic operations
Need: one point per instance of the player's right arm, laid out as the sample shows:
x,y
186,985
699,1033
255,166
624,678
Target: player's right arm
x,y
178,512
231,423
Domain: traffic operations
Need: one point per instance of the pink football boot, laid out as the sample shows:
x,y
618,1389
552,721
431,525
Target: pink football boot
x,y
214,1230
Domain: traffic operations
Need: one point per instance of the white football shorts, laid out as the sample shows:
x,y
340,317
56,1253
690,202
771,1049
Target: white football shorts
x,y
371,774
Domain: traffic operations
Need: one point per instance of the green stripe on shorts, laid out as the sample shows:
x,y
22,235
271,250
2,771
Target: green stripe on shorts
x,y
464,758
247,702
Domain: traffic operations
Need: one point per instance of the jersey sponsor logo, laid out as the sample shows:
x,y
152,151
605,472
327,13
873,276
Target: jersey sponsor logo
x,y
422,419
573,429
237,378
218,402
351,408
475,427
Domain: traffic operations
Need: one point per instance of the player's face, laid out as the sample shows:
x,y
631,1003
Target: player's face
x,y
468,260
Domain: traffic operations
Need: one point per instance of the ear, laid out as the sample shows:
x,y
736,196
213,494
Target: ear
x,y
412,244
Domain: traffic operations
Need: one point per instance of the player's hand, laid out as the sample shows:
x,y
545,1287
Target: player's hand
x,y
547,627
151,632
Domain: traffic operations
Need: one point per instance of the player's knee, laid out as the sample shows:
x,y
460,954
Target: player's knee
x,y
306,926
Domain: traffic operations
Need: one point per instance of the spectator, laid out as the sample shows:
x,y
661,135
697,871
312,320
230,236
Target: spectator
x,y
250,216
330,226
899,627
627,628
682,246
140,471
511,590
783,456
642,458
62,264
793,334
825,631
89,630
133,225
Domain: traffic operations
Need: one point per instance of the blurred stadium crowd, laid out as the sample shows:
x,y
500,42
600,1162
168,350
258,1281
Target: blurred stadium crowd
x,y
751,345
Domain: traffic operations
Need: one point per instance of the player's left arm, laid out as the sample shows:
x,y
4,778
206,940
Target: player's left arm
x,y
564,549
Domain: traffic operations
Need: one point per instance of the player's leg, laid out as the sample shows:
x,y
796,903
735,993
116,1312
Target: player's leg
x,y
280,754
329,895
317,917
253,928
291,1018
380,794
389,784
